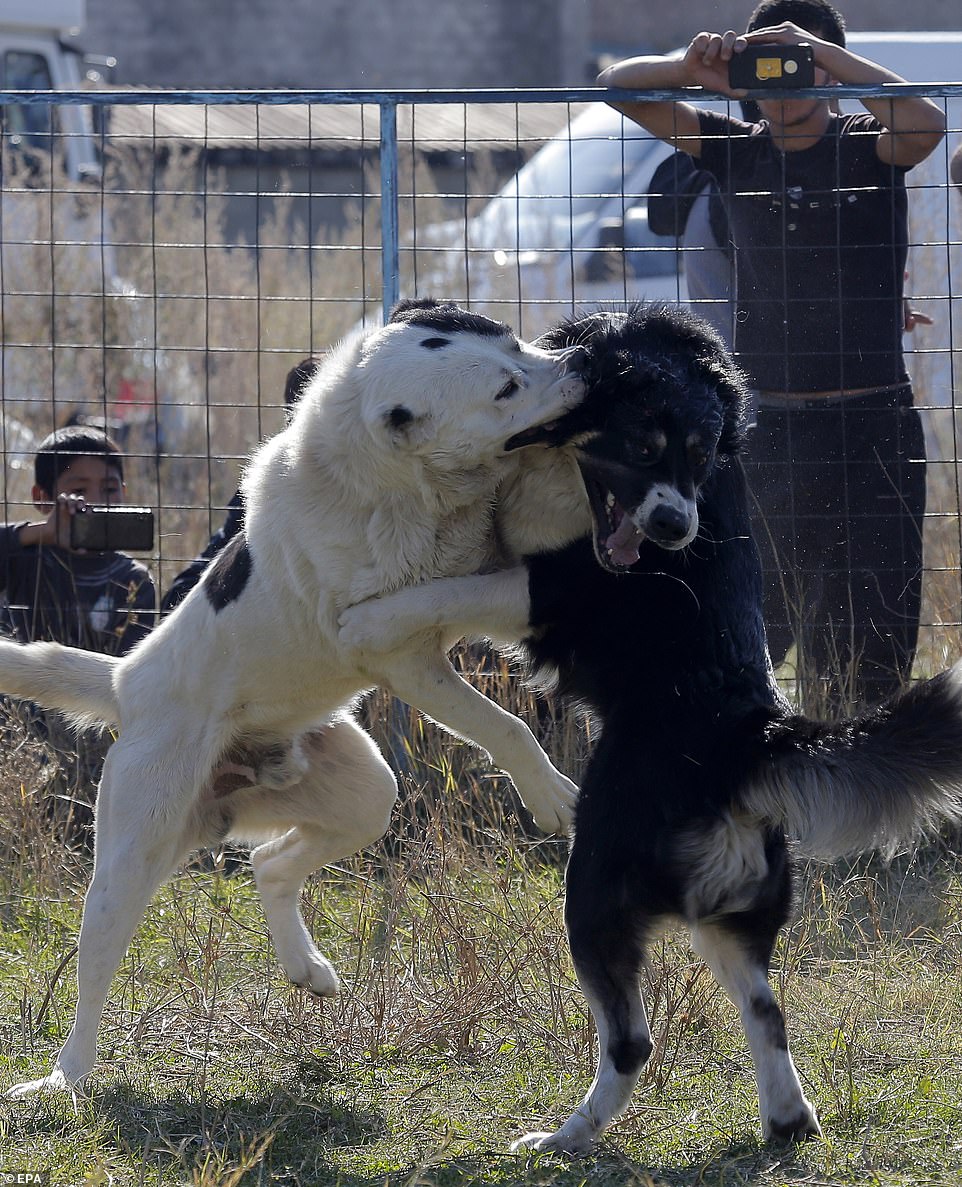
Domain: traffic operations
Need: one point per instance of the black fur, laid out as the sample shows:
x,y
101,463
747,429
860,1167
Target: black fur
x,y
672,658
229,573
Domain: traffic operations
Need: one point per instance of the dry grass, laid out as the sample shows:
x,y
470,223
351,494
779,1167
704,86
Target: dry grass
x,y
460,1024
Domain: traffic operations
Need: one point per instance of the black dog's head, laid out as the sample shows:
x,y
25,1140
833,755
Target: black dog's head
x,y
664,405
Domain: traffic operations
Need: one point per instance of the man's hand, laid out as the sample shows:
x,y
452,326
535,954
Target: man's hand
x,y
912,317
786,33
707,57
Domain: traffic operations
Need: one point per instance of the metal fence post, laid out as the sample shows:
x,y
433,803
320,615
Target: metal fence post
x,y
389,207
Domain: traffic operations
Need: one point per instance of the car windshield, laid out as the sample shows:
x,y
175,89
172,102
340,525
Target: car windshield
x,y
566,183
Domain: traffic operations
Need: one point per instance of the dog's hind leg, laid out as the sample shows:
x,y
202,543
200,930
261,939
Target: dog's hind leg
x,y
606,931
430,684
280,868
139,843
342,804
737,949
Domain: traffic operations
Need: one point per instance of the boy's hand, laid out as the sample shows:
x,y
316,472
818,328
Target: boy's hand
x,y
65,508
54,532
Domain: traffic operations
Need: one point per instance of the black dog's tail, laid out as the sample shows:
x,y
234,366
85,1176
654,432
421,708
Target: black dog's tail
x,y
877,781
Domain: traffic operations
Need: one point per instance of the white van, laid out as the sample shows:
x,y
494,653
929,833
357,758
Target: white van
x,y
552,239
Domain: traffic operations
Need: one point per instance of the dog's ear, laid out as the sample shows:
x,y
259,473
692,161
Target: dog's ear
x,y
584,330
731,386
407,304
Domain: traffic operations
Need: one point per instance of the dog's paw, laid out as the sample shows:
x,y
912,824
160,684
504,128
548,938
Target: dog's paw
x,y
55,1082
545,1142
316,975
530,1141
370,626
552,809
799,1128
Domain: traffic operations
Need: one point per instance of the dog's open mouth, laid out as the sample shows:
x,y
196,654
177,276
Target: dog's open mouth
x,y
543,434
617,540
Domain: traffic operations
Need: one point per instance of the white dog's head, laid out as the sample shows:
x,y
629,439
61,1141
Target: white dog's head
x,y
453,386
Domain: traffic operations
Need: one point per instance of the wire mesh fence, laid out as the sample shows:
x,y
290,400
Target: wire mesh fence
x,y
211,242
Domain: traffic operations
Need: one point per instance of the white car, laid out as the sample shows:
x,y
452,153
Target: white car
x,y
569,230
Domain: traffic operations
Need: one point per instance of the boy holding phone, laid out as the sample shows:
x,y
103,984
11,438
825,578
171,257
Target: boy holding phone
x,y
818,211
101,600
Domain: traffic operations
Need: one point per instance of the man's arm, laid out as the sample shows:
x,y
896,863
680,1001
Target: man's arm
x,y
704,64
914,125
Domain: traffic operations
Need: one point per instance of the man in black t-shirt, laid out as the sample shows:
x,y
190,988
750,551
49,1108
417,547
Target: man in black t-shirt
x,y
818,213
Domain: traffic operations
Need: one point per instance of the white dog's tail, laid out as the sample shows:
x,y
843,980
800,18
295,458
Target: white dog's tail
x,y
78,683
877,781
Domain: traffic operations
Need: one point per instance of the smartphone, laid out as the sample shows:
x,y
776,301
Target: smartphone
x,y
760,66
113,529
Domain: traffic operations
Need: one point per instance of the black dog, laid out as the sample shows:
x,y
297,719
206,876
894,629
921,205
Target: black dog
x,y
701,770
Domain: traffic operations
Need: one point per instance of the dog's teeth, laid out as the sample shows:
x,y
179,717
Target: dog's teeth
x,y
610,501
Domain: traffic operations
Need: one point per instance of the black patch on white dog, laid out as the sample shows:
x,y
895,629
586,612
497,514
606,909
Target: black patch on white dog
x,y
229,573
435,343
399,417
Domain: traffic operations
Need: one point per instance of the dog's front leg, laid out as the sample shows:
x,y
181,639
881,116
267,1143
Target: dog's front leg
x,y
429,683
489,605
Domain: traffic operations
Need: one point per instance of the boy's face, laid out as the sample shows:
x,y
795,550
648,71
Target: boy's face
x,y
92,477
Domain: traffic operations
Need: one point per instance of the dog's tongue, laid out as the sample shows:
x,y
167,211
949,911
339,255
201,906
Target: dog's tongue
x,y
624,542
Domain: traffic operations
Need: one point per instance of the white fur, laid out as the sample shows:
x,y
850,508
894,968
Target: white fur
x,y
232,722
665,495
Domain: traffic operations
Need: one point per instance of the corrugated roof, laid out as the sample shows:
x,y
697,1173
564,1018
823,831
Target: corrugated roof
x,y
438,127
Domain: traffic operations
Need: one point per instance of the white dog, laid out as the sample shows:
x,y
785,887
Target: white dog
x,y
232,713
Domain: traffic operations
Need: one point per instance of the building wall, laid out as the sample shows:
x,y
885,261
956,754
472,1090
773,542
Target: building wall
x,y
342,44
438,44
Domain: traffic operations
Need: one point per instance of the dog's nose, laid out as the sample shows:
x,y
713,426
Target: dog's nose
x,y
668,524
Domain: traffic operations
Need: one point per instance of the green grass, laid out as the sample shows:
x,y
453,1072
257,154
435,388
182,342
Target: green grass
x,y
460,1025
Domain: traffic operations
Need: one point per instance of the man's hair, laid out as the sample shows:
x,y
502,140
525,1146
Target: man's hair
x,y
814,16
60,450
